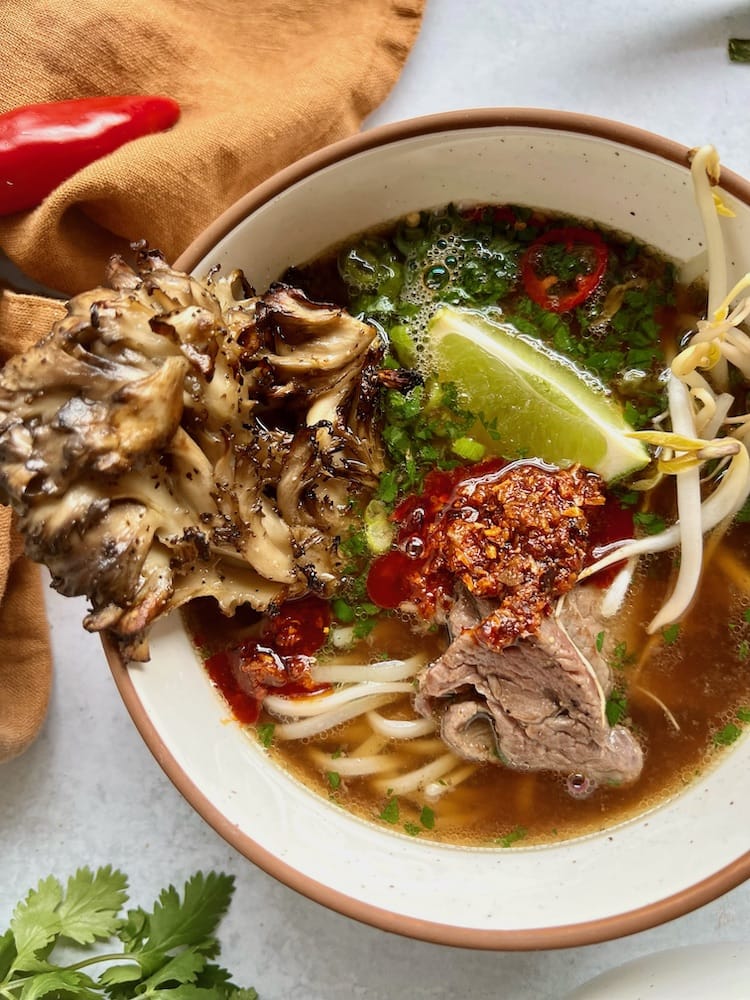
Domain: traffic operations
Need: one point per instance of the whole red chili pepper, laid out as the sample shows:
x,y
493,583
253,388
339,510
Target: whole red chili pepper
x,y
41,145
557,294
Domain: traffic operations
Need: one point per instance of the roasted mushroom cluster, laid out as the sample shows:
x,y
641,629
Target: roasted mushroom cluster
x,y
173,437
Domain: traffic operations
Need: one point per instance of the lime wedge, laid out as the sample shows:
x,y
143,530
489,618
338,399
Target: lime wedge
x,y
540,405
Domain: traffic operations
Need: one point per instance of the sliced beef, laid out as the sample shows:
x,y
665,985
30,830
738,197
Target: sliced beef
x,y
538,704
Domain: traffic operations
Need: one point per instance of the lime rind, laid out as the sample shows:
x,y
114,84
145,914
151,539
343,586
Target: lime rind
x,y
541,406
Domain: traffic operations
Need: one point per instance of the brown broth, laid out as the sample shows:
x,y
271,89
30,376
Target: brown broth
x,y
701,674
703,677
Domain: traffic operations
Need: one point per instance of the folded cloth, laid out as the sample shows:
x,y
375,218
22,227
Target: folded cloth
x,y
25,659
260,84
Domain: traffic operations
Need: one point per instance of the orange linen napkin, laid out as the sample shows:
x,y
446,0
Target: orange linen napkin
x,y
260,84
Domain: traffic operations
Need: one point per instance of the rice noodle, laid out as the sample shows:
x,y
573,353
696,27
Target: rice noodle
x,y
372,745
436,789
421,776
387,670
303,728
423,746
310,705
351,767
401,729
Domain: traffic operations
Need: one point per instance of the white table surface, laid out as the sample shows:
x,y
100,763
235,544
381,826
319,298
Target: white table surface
x,y
89,792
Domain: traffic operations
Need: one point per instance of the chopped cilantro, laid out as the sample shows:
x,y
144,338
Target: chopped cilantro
x,y
421,429
651,524
728,735
621,658
413,829
363,628
743,514
617,707
628,498
746,615
390,811
334,779
516,834
732,731
342,610
671,633
427,818
743,649
599,641
265,732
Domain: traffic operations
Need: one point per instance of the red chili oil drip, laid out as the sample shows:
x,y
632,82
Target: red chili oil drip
x,y
299,630
400,574
244,708
611,523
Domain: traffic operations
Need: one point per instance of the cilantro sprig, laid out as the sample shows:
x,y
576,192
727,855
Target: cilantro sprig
x,y
166,952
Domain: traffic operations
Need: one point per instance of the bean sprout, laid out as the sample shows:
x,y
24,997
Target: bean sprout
x,y
698,409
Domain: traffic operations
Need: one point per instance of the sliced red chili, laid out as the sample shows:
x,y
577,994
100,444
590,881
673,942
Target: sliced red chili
x,y
42,145
555,292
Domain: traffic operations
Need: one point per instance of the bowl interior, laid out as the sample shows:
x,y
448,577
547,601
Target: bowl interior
x,y
670,860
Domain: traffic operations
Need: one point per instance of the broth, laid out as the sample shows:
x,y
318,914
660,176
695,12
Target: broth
x,y
703,678
684,692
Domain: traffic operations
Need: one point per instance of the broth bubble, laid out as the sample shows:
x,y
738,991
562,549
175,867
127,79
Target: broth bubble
x,y
579,786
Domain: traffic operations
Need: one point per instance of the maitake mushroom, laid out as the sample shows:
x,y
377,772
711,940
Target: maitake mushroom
x,y
173,437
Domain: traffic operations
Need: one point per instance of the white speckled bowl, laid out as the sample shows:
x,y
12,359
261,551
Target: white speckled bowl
x,y
645,871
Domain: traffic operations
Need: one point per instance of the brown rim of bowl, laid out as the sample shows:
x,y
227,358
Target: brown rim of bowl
x,y
563,936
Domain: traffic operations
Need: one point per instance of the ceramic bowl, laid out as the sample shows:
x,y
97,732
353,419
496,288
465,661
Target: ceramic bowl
x,y
645,871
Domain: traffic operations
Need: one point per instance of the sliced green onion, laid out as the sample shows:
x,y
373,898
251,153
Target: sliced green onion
x,y
468,448
378,527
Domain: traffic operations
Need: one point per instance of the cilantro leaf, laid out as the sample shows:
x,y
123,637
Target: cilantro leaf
x,y
7,953
60,983
116,975
35,922
176,923
91,904
728,735
182,968
166,952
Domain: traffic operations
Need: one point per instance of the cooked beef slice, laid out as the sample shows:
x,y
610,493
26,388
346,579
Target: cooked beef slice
x,y
536,705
